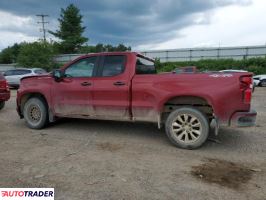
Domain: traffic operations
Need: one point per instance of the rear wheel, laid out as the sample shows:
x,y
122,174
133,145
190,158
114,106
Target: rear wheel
x,y
187,128
35,113
2,104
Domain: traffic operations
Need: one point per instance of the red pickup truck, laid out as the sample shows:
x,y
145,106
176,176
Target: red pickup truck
x,y
4,91
125,86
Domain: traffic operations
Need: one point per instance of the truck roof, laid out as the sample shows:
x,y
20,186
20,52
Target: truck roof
x,y
115,53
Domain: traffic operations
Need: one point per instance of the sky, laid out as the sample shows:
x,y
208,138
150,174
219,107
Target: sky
x,y
143,24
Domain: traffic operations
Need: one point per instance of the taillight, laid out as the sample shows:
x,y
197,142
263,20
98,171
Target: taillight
x,y
7,87
4,85
246,86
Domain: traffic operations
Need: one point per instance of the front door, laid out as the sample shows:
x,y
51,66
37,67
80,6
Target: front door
x,y
72,95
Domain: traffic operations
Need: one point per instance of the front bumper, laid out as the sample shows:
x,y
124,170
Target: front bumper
x,y
244,119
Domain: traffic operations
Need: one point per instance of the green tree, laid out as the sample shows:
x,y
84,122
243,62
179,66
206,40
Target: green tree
x,y
70,30
9,54
87,49
122,47
99,47
36,54
6,56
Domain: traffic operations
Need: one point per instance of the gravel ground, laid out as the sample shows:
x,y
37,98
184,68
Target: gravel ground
x,y
90,159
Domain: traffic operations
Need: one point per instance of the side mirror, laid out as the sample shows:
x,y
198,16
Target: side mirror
x,y
58,75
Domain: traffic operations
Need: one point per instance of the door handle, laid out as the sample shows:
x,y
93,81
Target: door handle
x,y
119,83
86,84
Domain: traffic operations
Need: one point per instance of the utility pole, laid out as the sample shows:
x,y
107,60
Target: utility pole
x,y
43,22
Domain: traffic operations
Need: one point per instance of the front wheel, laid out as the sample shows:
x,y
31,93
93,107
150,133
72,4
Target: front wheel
x,y
35,113
187,128
2,104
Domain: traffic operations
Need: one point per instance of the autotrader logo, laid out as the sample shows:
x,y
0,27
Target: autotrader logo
x,y
27,193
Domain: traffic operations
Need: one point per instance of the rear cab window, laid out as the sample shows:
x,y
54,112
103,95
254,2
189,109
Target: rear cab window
x,y
145,66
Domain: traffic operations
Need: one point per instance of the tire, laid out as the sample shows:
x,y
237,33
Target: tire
x,y
2,104
187,128
263,83
35,113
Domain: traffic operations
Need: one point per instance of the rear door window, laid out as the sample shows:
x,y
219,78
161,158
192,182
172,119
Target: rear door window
x,y
113,65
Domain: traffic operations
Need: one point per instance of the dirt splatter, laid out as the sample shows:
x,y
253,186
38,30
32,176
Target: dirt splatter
x,y
106,146
224,173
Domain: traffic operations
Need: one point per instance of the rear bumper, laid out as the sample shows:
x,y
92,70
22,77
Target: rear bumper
x,y
4,96
244,119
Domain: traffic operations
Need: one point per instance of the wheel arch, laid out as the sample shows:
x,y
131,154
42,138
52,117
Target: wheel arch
x,y
27,96
201,103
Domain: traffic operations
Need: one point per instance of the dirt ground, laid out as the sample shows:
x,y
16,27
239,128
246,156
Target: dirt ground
x,y
90,159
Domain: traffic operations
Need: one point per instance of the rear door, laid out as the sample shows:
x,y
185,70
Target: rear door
x,y
73,95
145,94
111,98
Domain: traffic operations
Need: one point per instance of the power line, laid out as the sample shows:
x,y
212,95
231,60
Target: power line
x,y
43,22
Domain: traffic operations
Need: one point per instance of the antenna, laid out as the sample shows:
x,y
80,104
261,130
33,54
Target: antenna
x,y
43,22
